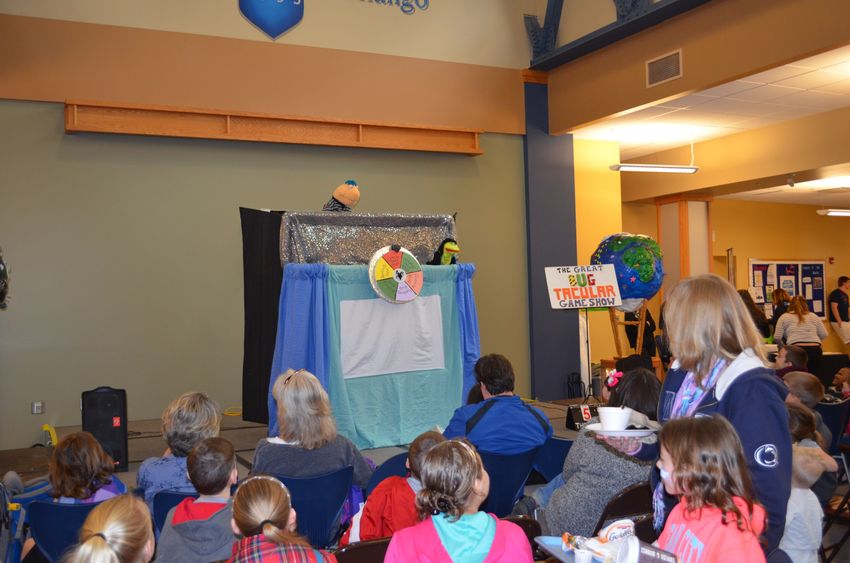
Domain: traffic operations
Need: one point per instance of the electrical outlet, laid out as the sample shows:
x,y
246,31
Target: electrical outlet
x,y
37,407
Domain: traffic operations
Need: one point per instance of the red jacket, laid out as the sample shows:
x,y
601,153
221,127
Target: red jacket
x,y
390,507
701,536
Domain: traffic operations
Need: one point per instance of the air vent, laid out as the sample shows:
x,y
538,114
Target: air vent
x,y
664,69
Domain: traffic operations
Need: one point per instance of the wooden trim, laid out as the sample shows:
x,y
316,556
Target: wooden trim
x,y
535,76
662,200
84,61
684,241
660,242
710,236
168,121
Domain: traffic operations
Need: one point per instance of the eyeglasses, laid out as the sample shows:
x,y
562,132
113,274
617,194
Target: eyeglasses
x,y
291,375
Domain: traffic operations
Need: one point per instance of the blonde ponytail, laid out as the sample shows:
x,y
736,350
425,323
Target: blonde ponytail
x,y
262,505
116,531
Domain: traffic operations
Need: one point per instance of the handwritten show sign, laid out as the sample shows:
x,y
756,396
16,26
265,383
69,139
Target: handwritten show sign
x,y
583,287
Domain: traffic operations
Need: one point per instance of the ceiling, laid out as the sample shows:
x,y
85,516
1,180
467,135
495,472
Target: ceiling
x,y
813,85
828,193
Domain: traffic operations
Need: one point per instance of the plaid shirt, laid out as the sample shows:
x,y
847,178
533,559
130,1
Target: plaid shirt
x,y
258,549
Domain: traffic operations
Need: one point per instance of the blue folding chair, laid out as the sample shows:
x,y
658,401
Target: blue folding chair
x,y
164,501
318,502
835,417
16,518
508,474
550,459
394,466
55,527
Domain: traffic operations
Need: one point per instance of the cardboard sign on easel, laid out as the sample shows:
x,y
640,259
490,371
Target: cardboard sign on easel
x,y
583,287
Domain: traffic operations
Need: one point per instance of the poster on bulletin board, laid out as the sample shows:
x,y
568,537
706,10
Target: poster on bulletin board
x,y
797,277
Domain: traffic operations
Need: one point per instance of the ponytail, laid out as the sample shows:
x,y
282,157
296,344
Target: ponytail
x,y
262,505
116,531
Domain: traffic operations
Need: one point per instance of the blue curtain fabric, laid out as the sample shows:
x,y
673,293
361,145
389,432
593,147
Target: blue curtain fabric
x,y
381,410
302,329
468,324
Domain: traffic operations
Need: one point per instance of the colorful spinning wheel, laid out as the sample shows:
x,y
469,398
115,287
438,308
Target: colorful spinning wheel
x,y
395,274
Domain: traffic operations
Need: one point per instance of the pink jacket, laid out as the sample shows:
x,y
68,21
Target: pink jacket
x,y
701,537
421,543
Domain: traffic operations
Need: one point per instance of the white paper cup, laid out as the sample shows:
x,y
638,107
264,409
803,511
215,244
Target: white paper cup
x,y
614,418
583,556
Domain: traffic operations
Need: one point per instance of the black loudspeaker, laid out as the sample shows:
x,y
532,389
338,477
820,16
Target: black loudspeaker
x,y
105,416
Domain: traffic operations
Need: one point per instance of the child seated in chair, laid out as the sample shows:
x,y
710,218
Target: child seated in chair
x,y
116,530
717,519
80,472
804,519
807,390
801,423
454,485
392,505
199,529
264,518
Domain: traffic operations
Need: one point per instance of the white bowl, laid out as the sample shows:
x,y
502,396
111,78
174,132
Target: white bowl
x,y
614,418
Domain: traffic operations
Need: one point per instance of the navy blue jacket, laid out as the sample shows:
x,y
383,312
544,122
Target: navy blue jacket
x,y
749,395
508,427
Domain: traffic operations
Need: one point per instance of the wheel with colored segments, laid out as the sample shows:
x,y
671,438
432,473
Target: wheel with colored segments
x,y
395,274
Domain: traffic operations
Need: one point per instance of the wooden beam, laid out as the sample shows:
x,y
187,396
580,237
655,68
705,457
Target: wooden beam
x,y
165,121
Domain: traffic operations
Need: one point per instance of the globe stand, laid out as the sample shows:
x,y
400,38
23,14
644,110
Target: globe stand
x,y
616,323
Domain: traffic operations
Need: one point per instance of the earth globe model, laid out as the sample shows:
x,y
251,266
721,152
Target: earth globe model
x,y
637,259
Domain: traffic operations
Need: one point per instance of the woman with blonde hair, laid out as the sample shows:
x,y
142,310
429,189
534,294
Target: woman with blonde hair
x,y
116,531
187,420
454,484
264,518
308,444
802,328
720,368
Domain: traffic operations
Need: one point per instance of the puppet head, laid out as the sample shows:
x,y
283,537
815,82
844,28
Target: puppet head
x,y
347,193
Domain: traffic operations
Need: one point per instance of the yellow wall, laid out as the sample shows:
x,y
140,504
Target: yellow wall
x,y
767,231
598,214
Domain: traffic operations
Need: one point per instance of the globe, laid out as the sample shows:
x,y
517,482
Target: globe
x,y
637,259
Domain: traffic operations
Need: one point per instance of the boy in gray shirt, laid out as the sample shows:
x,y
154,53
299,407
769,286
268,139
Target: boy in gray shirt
x,y
199,529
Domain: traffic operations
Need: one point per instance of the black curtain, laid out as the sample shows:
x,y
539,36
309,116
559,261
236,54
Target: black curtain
x,y
262,278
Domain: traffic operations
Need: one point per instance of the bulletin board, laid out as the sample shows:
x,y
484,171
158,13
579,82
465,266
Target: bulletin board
x,y
797,277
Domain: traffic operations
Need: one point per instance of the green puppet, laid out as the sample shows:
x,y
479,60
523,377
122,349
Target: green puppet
x,y
446,253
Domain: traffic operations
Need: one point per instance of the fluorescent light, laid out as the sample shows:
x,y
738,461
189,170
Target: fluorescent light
x,y
834,212
669,168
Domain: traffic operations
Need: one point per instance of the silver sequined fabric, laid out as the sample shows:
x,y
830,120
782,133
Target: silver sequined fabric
x,y
352,238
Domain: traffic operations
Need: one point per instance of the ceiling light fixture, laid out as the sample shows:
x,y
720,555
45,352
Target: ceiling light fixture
x,y
834,212
668,168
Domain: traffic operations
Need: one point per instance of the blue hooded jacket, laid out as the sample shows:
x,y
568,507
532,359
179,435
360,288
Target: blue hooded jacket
x,y
750,396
